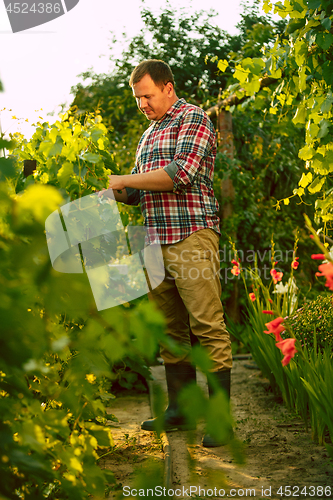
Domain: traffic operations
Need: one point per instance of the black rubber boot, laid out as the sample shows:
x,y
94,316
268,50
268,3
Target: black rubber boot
x,y
177,377
222,381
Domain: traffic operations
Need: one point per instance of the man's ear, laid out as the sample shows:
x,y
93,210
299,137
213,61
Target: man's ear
x,y
170,88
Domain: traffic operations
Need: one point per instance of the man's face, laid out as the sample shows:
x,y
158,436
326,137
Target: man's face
x,y
152,100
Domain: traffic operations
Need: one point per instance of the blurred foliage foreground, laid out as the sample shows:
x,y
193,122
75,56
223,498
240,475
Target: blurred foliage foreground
x,y
59,355
57,358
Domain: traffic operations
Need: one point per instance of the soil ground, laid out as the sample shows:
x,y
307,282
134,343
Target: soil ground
x,y
281,460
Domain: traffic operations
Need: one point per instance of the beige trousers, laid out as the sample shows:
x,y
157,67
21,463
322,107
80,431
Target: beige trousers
x,y
189,297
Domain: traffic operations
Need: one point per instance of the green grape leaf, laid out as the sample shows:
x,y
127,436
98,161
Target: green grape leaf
x,y
324,40
313,131
7,169
298,6
305,179
56,148
328,161
327,217
65,173
299,191
280,9
306,153
241,74
314,4
302,79
301,52
328,72
53,134
326,23
222,65
300,115
92,181
97,132
4,144
90,157
66,135
324,128
51,149
267,6
252,87
316,185
327,104
254,65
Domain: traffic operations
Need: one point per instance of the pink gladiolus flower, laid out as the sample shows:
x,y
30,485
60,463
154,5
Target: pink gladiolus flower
x,y
252,296
275,327
327,271
287,347
268,312
277,276
294,263
318,256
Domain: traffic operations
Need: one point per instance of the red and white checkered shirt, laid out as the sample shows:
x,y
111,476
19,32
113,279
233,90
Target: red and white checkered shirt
x,y
184,143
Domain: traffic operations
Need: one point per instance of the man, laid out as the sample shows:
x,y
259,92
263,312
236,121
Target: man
x,y
173,182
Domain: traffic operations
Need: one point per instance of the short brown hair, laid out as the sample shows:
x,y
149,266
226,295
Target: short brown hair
x,y
159,71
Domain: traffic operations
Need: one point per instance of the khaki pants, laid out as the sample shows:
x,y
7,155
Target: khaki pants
x,y
189,297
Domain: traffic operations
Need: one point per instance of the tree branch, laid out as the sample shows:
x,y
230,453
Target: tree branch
x,y
233,100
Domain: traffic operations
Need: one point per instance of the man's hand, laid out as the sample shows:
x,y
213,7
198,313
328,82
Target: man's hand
x,y
116,182
116,193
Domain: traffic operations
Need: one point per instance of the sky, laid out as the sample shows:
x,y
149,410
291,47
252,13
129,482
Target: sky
x,y
39,66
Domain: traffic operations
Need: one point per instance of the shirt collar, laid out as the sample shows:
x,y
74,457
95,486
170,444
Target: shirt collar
x,y
173,109
178,104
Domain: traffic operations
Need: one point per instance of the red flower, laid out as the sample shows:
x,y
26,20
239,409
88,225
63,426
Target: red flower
x,y
287,347
275,327
235,270
276,276
252,296
327,271
268,312
294,263
318,256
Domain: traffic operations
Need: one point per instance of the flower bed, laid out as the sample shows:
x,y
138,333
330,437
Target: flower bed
x,y
294,349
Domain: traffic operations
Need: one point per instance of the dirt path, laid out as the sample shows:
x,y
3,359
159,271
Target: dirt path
x,y
281,459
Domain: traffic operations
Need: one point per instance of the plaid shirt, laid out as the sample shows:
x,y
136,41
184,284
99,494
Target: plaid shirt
x,y
182,142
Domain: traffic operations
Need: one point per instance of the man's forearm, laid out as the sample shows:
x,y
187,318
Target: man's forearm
x,y
156,180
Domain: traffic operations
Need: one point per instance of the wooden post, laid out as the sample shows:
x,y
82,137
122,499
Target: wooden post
x,y
226,146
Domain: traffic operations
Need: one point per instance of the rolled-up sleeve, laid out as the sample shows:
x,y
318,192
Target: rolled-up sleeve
x,y
171,169
196,140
